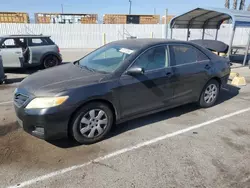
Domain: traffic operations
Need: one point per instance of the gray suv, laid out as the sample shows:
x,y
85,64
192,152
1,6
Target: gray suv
x,y
20,51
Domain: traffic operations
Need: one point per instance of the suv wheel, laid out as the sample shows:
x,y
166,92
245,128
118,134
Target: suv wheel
x,y
50,61
209,94
92,123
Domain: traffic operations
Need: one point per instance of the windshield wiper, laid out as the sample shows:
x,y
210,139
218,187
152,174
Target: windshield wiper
x,y
76,62
90,69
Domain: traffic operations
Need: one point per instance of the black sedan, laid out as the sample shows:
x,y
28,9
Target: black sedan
x,y
117,82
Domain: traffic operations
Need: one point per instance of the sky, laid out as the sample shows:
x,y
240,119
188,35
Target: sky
x,y
102,7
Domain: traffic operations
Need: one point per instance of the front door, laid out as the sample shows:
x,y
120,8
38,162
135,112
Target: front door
x,y
151,90
12,54
190,68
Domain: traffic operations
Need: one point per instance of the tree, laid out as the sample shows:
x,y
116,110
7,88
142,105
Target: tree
x,y
227,4
235,4
242,5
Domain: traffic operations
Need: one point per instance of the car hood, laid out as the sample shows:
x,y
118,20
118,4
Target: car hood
x,y
58,79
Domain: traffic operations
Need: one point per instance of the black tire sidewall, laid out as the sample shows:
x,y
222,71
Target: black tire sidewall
x,y
47,57
75,131
202,102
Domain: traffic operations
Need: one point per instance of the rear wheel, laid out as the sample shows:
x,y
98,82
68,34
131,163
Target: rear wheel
x,y
50,61
209,94
92,123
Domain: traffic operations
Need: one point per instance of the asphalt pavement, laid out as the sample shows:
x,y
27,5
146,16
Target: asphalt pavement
x,y
183,147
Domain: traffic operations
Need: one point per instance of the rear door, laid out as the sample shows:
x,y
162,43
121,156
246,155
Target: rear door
x,y
151,90
191,71
12,54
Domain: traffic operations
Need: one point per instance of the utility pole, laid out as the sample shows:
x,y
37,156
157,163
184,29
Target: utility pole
x,y
62,8
130,5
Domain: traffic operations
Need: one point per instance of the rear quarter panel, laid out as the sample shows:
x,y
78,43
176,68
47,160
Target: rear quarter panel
x,y
39,52
221,66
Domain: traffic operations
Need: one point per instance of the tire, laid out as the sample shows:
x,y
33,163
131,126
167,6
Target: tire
x,y
50,61
209,94
86,127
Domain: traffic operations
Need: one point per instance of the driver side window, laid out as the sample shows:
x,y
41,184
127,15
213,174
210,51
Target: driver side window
x,y
155,58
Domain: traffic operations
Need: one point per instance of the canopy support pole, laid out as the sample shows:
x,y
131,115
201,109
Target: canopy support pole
x,y
171,34
231,41
216,34
166,23
246,53
188,31
203,33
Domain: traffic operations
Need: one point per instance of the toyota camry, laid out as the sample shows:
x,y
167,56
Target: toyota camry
x,y
115,83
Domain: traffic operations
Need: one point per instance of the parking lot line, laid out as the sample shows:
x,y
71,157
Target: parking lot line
x,y
125,150
8,102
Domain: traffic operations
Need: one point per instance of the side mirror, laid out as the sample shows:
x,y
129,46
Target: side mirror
x,y
135,71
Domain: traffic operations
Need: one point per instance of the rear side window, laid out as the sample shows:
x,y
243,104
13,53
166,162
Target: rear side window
x,y
184,54
39,41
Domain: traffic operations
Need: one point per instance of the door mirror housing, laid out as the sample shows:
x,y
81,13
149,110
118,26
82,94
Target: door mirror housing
x,y
135,71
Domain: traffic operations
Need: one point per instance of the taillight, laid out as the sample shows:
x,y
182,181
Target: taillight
x,y
58,49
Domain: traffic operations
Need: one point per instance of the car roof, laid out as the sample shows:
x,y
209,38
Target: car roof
x,y
145,42
24,36
142,44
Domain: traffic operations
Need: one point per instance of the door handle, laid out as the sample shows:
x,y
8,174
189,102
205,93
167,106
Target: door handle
x,y
18,52
169,74
207,66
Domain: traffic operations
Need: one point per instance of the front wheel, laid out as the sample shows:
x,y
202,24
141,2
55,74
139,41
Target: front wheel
x,y
209,94
92,123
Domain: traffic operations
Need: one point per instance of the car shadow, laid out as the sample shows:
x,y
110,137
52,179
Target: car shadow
x,y
13,80
22,70
227,93
25,71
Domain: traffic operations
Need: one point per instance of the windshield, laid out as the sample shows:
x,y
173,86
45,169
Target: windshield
x,y
106,59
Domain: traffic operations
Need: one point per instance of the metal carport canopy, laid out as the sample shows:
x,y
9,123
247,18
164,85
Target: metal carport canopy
x,y
212,18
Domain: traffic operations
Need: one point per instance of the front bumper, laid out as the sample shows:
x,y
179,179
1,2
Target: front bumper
x,y
47,124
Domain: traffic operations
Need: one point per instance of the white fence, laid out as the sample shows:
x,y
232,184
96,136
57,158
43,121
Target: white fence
x,y
93,35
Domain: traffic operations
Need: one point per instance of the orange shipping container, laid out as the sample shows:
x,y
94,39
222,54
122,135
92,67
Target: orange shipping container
x,y
14,17
149,19
124,19
169,17
89,19
66,18
115,19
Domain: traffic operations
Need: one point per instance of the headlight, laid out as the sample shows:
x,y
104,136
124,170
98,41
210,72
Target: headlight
x,y
46,102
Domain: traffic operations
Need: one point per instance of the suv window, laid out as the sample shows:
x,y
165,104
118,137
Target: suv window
x,y
14,43
154,58
39,41
184,54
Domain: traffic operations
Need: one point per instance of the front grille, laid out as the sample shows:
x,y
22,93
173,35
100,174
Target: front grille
x,y
20,99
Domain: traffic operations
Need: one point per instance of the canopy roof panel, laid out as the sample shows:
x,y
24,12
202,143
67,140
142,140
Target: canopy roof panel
x,y
210,18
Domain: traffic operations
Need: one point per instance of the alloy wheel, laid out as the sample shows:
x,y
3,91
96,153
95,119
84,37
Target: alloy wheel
x,y
93,123
211,93
50,62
